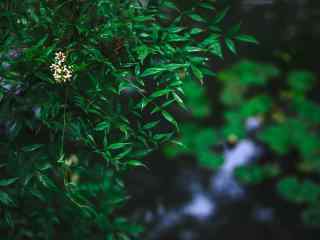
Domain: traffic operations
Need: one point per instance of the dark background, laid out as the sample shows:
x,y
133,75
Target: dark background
x,y
288,30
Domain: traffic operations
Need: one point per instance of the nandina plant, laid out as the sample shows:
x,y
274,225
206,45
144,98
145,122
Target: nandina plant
x,y
85,91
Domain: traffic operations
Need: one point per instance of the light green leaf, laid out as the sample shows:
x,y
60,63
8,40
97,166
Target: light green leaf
x,y
152,71
170,118
230,44
118,145
247,38
196,17
216,49
102,126
135,163
195,31
142,51
197,73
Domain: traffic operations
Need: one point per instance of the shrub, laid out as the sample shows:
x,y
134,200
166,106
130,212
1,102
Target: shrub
x,y
86,88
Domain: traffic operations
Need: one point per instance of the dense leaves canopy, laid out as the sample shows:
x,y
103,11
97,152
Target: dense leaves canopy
x,y
69,132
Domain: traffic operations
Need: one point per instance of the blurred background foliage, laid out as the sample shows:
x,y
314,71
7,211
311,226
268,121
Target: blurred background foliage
x,y
276,87
285,108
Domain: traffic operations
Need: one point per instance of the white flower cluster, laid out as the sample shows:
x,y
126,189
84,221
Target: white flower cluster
x,y
62,72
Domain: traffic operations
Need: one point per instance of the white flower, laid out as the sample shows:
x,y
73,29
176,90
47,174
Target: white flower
x,y
62,72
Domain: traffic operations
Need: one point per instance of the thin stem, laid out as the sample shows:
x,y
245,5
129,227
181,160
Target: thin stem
x,y
64,119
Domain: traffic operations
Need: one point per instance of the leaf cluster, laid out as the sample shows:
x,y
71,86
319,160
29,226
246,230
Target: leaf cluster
x,y
65,146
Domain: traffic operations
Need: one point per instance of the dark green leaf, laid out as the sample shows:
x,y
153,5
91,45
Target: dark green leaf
x,y
9,181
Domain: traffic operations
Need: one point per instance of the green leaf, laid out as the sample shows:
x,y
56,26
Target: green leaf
x,y
195,31
208,72
9,181
179,144
6,199
118,145
196,17
163,137
8,219
247,38
177,38
218,18
174,66
31,148
178,99
152,71
211,39
151,125
47,182
207,6
142,51
170,4
162,68
102,126
135,163
230,44
33,16
160,93
193,49
123,154
216,49
170,118
234,30
197,72
143,103
176,29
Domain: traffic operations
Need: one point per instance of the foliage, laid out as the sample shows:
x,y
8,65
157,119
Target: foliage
x,y
255,174
287,110
196,141
69,135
